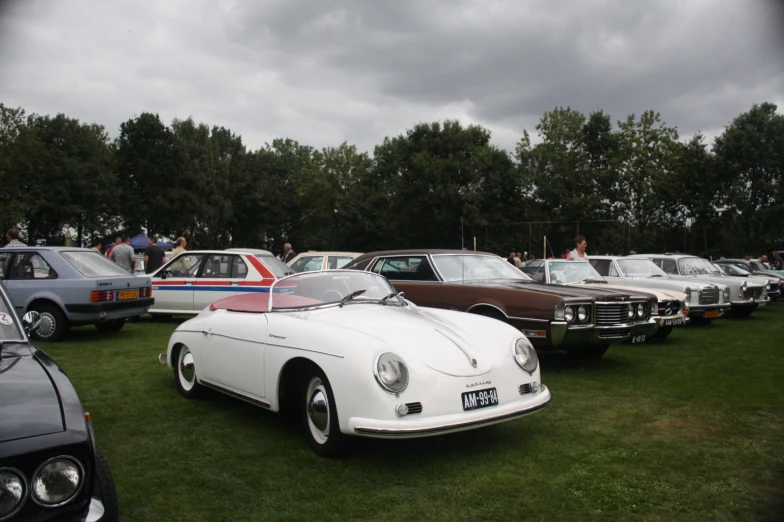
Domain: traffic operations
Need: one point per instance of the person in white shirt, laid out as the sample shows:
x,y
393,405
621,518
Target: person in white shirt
x,y
579,254
14,239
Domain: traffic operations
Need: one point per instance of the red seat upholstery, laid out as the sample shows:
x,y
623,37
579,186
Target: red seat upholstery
x,y
258,303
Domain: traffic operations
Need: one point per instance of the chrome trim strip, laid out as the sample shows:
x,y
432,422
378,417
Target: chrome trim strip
x,y
486,304
527,319
235,394
306,350
448,427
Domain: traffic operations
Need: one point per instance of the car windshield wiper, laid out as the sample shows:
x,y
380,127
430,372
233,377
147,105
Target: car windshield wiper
x,y
384,299
351,296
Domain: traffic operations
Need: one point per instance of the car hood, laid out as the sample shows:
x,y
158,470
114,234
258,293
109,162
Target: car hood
x,y
29,404
660,294
435,339
733,282
599,294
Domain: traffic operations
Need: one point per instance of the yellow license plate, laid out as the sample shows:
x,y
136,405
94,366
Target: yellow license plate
x,y
127,294
712,314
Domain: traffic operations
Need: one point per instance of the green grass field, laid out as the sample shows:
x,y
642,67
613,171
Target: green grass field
x,y
691,428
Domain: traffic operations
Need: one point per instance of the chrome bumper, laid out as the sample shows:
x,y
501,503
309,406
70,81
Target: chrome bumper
x,y
410,428
562,334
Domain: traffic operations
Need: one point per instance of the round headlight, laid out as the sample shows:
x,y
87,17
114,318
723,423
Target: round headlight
x,y
12,491
569,314
631,311
582,313
525,355
56,481
640,310
391,372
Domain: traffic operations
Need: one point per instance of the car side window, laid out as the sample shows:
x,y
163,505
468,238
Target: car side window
x,y
5,258
217,266
186,265
334,262
668,266
405,268
239,270
307,264
30,265
613,271
602,266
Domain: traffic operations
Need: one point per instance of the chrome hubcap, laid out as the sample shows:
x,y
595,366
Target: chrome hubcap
x,y
318,410
47,325
187,369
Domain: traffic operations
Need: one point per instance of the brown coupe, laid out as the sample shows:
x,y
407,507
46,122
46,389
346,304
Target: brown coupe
x,y
583,321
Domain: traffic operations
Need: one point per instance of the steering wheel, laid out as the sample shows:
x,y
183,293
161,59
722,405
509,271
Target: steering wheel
x,y
328,292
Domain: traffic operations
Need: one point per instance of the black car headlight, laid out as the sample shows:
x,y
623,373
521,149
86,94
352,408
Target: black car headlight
x,y
582,313
525,355
631,311
391,372
57,481
640,310
13,490
569,314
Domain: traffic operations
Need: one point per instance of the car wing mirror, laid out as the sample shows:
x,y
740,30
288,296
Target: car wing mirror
x,y
31,321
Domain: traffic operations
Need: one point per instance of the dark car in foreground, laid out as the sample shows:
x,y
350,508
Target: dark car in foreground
x,y
50,467
582,321
72,287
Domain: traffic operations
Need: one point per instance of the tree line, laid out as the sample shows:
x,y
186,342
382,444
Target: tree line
x,y
632,184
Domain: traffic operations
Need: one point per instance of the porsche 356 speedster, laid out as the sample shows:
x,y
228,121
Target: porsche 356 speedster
x,y
351,356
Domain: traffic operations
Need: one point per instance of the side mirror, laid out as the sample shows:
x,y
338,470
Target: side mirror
x,y
31,321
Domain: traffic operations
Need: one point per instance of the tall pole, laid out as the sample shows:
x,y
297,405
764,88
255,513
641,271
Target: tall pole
x,y
462,239
474,243
544,248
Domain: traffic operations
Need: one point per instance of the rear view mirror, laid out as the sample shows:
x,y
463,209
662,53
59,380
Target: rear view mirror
x,y
31,321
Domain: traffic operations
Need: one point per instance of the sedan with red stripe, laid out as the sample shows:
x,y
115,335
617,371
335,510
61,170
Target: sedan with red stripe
x,y
195,279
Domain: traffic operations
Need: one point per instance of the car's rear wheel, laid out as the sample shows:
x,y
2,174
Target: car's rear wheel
x,y
115,325
53,324
588,353
104,488
320,416
663,332
185,374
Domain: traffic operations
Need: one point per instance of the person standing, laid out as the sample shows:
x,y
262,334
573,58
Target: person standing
x,y
97,245
518,259
579,254
154,255
117,241
122,254
179,248
14,238
288,253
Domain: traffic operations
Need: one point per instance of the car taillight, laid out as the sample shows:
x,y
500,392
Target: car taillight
x,y
96,296
145,292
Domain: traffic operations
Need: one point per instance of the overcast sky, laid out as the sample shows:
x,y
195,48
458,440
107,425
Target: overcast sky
x,y
325,72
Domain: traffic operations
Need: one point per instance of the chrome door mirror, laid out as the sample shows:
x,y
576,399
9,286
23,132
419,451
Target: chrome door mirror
x,y
31,321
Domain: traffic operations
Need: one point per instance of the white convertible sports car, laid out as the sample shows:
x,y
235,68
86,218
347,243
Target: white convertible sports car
x,y
352,357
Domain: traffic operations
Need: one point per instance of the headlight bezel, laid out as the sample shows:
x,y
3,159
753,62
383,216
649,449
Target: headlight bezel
x,y
631,311
655,308
533,356
640,310
381,382
583,310
25,490
80,468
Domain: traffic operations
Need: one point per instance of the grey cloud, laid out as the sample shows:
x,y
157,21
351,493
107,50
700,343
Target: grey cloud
x,y
325,72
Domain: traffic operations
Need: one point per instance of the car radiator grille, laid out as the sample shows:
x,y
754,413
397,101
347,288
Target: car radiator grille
x,y
773,288
608,314
414,407
667,308
752,292
614,333
709,296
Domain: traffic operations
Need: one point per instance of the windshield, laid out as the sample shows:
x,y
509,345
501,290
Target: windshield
x,y
563,272
711,268
734,270
316,289
758,265
275,265
470,267
9,330
640,268
92,264
692,266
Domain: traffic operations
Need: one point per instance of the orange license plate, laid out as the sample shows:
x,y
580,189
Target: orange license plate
x,y
125,295
712,314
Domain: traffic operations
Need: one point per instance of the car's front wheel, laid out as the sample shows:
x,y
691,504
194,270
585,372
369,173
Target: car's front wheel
x,y
104,488
588,353
53,324
115,325
185,374
320,416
